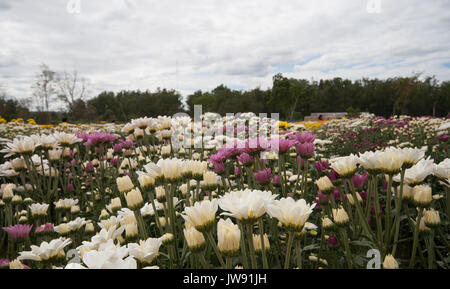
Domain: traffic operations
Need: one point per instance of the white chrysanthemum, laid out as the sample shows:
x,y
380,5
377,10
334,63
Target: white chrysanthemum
x,y
202,214
247,205
442,170
228,236
345,166
46,251
146,251
292,214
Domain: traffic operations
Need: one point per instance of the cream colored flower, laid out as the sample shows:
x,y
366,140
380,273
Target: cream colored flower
x,y
146,251
257,243
422,195
229,236
390,262
345,166
292,214
340,216
247,205
134,199
194,239
124,184
202,214
324,184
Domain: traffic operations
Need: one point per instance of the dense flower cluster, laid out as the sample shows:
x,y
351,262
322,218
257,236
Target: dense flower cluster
x,y
245,190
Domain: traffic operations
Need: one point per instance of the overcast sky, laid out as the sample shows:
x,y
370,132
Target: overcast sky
x,y
199,44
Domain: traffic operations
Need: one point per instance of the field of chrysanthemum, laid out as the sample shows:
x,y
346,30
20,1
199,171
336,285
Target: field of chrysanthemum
x,y
226,192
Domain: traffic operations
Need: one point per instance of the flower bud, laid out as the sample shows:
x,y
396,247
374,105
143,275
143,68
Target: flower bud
x,y
325,185
103,215
351,200
74,210
340,216
327,224
116,204
167,238
257,243
146,181
89,228
160,194
16,200
195,240
131,231
229,236
134,199
390,262
422,196
432,218
16,264
124,184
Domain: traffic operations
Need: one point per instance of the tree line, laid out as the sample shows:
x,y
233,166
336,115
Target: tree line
x,y
292,98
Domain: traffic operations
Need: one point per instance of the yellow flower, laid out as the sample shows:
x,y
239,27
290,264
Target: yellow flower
x,y
31,121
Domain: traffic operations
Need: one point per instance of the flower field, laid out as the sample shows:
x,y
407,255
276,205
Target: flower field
x,y
226,192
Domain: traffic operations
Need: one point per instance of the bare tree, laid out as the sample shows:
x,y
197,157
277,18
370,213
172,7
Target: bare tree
x,y
44,88
72,88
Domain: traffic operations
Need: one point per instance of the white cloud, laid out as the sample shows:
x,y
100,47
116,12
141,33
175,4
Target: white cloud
x,y
199,44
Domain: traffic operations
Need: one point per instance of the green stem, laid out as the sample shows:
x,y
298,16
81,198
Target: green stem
x,y
348,254
250,246
263,246
298,252
243,246
288,249
416,239
364,224
203,261
214,246
229,263
388,213
431,250
398,206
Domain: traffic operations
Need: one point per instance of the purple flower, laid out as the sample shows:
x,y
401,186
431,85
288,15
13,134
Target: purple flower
x,y
336,194
322,166
304,137
237,171
219,168
333,241
114,161
359,180
70,187
45,228
276,179
305,150
262,177
4,262
282,144
245,159
255,145
89,167
443,137
117,147
290,195
364,195
302,162
18,231
97,138
323,199
333,175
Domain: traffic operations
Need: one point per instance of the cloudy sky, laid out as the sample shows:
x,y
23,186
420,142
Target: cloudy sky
x,y
199,44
